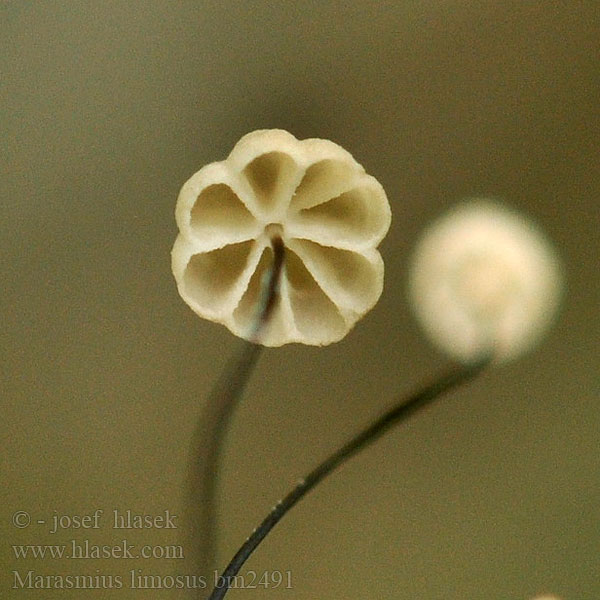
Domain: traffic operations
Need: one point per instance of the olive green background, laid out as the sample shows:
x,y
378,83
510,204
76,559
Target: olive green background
x,y
108,107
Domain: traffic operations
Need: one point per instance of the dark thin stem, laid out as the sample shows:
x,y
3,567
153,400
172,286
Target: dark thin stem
x,y
206,447
273,284
400,412
207,440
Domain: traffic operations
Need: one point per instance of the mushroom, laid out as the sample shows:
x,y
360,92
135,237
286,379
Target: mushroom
x,y
310,198
484,280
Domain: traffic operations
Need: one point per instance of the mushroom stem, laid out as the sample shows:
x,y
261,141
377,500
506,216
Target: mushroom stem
x,y
272,287
208,437
403,409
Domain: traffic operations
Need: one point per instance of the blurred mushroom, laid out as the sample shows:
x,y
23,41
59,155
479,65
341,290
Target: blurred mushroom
x,y
484,280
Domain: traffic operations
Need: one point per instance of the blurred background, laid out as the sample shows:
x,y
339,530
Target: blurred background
x,y
493,493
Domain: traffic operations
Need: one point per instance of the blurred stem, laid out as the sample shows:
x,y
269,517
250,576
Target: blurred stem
x,y
205,453
398,413
208,437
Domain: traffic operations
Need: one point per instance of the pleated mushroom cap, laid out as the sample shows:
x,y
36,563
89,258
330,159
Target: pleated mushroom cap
x,y
330,215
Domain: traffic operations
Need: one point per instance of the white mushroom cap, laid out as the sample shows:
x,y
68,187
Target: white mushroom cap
x,y
330,215
484,280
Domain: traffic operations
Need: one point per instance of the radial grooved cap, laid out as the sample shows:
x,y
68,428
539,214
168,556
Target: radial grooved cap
x,y
330,215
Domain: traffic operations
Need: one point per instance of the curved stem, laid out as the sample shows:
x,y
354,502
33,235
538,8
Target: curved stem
x,y
207,440
401,411
205,453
